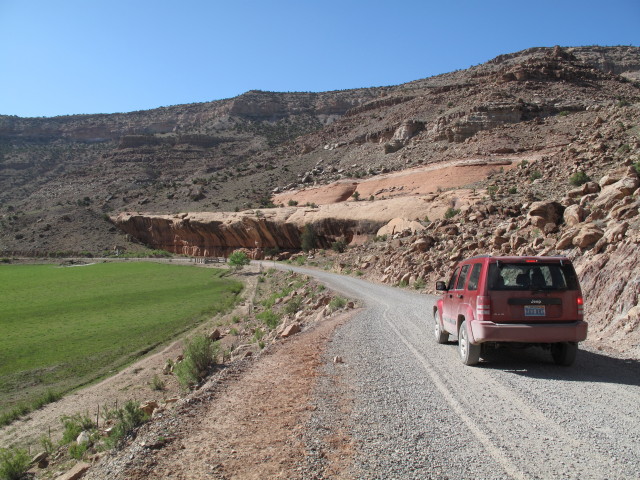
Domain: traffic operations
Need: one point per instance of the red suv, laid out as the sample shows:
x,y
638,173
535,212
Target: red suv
x,y
518,300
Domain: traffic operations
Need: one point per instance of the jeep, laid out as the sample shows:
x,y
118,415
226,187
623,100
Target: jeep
x,y
520,301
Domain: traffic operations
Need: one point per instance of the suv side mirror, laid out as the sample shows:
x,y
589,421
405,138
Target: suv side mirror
x,y
441,286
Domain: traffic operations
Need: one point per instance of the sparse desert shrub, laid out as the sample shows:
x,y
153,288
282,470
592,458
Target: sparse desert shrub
x,y
637,167
579,178
238,259
270,318
157,383
451,212
13,463
128,419
380,238
419,284
258,334
513,190
337,303
199,354
293,305
74,425
339,246
356,196
492,190
623,149
535,175
292,203
563,113
308,239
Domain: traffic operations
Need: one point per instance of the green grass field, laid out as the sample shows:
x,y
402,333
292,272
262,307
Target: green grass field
x,y
63,327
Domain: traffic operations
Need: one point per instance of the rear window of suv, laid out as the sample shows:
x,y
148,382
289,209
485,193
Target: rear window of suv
x,y
532,276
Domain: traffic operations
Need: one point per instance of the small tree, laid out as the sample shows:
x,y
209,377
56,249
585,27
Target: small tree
x,y
309,239
238,259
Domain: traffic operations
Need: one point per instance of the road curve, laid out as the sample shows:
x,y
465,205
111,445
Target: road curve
x,y
415,412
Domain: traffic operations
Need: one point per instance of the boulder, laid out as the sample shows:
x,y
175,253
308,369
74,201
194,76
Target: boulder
x,y
78,470
148,407
589,234
290,330
566,240
550,212
611,235
573,215
83,438
611,194
215,335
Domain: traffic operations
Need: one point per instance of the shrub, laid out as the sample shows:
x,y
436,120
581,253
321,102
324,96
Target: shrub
x,y
339,246
356,196
258,334
292,203
77,450
74,425
293,305
308,239
492,190
419,284
238,259
563,113
513,190
579,178
451,212
199,354
637,167
337,303
157,383
301,260
380,238
13,463
535,175
270,318
128,419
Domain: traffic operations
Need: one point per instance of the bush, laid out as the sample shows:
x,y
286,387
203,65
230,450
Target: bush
x,y
419,284
637,167
337,303
292,203
199,354
339,246
579,178
74,425
128,419
451,212
308,239
293,305
157,383
13,463
301,260
513,190
270,318
238,259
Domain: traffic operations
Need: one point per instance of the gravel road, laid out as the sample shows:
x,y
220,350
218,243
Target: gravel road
x,y
413,411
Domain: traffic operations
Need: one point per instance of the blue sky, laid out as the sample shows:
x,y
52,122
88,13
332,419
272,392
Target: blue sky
x,y
92,56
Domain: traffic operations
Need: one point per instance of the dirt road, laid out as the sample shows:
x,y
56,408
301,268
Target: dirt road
x,y
417,412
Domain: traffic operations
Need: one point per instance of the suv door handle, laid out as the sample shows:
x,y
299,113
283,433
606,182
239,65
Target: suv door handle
x,y
459,296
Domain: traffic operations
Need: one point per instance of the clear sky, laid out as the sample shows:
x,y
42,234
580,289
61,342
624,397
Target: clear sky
x,y
102,56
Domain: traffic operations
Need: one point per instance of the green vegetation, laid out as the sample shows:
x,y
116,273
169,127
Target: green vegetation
x,y
13,463
451,212
199,354
308,240
637,167
579,178
270,318
339,246
535,175
337,303
292,203
66,327
238,259
127,419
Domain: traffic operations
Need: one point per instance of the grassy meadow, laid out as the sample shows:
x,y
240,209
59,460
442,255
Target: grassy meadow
x,y
63,327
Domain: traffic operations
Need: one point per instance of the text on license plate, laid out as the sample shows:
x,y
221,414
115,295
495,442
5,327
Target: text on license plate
x,y
534,311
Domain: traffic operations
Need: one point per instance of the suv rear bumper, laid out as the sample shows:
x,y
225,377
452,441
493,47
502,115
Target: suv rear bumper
x,y
528,332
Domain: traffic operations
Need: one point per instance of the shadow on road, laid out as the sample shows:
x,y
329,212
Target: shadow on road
x,y
588,367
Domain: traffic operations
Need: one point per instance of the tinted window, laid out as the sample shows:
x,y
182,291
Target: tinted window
x,y
532,276
474,277
462,278
452,281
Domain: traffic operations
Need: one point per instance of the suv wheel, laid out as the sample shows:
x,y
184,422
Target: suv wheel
x,y
469,353
441,335
564,353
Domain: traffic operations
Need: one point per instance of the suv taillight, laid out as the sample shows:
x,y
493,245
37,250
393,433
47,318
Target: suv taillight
x,y
580,306
483,307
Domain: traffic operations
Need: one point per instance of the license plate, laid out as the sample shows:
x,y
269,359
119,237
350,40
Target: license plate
x,y
534,311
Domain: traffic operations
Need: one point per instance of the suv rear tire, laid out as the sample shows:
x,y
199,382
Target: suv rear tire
x,y
441,335
564,353
469,353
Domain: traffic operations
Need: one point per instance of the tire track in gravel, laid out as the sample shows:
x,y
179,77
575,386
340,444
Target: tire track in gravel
x,y
514,416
